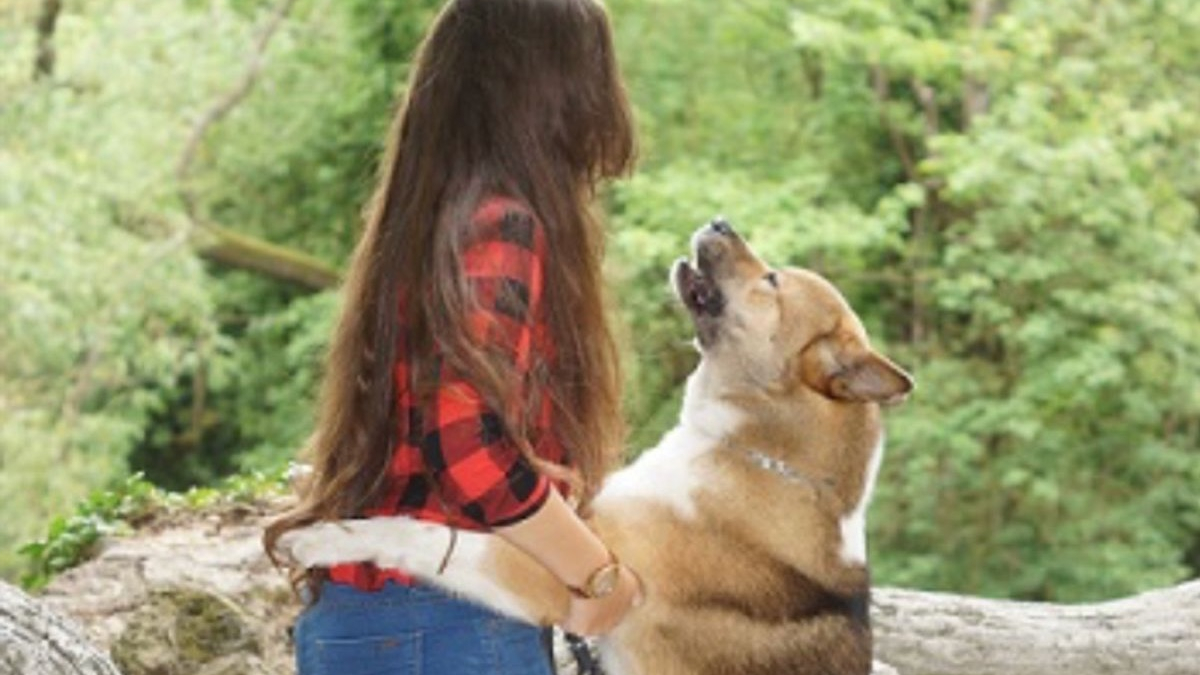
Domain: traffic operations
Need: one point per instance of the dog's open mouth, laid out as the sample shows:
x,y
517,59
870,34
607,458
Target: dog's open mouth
x,y
697,290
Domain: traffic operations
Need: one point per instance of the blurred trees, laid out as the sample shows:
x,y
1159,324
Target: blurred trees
x,y
1005,190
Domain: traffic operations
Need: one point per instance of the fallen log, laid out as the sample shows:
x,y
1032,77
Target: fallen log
x,y
916,632
1155,633
36,641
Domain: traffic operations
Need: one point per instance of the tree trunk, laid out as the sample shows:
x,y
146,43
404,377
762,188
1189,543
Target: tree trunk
x,y
232,249
47,22
976,97
227,247
1156,633
35,641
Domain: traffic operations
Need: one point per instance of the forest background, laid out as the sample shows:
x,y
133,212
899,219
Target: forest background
x,y
1008,191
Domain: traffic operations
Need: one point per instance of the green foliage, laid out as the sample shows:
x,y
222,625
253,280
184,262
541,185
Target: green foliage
x,y
98,321
1053,315
278,370
1011,204
726,88
1034,263
71,540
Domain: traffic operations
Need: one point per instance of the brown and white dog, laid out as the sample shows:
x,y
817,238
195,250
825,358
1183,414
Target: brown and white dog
x,y
746,522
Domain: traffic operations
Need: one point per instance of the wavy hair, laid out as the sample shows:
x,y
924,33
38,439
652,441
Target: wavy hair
x,y
514,97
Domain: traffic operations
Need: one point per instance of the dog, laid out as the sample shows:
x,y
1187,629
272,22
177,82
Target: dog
x,y
747,521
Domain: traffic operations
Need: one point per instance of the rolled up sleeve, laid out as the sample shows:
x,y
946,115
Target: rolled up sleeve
x,y
478,467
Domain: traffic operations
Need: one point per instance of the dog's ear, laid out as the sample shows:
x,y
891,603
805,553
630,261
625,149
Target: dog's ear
x,y
843,367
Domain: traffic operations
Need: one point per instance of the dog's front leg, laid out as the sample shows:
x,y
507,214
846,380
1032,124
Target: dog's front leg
x,y
478,566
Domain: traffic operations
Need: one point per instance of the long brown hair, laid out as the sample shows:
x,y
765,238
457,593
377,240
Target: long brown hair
x,y
514,97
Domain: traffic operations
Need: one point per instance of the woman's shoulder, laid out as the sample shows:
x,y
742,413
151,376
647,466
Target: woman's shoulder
x,y
508,219
494,207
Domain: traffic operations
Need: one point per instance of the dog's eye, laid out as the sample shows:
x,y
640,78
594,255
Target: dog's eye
x,y
772,279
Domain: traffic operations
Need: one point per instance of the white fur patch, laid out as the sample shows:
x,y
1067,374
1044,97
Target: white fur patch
x,y
671,472
854,525
667,474
411,545
613,662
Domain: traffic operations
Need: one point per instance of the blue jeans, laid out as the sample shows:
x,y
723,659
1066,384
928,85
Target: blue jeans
x,y
412,630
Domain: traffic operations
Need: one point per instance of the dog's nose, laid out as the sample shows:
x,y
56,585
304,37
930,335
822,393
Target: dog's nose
x,y
721,226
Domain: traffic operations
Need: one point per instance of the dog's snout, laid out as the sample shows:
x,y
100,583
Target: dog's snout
x,y
721,226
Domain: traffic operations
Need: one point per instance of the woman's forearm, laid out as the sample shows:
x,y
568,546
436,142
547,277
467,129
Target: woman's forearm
x,y
557,538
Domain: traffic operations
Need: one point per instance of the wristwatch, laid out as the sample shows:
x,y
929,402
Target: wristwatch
x,y
601,582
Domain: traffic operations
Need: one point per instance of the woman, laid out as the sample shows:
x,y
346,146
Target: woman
x,y
473,380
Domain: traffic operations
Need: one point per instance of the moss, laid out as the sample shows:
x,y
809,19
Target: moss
x,y
179,631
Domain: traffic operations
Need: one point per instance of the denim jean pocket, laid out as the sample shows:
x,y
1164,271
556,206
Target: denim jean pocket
x,y
376,655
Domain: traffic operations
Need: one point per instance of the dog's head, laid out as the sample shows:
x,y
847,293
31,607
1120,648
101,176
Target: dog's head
x,y
783,328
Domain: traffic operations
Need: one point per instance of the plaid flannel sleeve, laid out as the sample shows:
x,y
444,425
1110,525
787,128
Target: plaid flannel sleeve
x,y
479,469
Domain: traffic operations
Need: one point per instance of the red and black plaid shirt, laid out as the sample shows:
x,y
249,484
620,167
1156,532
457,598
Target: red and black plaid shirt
x,y
454,463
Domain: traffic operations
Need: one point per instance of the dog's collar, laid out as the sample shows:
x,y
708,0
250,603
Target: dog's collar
x,y
785,471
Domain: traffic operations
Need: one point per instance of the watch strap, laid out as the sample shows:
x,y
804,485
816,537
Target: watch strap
x,y
588,590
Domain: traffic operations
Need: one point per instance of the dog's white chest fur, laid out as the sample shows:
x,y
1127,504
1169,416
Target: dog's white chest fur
x,y
669,474
673,471
854,524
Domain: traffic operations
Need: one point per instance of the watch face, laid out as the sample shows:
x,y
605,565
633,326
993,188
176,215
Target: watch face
x,y
605,581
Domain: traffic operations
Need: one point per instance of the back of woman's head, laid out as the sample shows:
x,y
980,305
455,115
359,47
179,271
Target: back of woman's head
x,y
512,84
520,97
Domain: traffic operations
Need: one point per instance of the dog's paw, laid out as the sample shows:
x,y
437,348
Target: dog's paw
x,y
311,546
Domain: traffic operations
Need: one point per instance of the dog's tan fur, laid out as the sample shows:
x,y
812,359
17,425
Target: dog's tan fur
x,y
753,576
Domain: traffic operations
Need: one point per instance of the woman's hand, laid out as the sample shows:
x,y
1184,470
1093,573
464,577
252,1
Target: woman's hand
x,y
557,538
599,616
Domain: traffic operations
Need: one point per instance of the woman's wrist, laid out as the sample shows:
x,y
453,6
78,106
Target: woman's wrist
x,y
557,538
601,582
601,615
